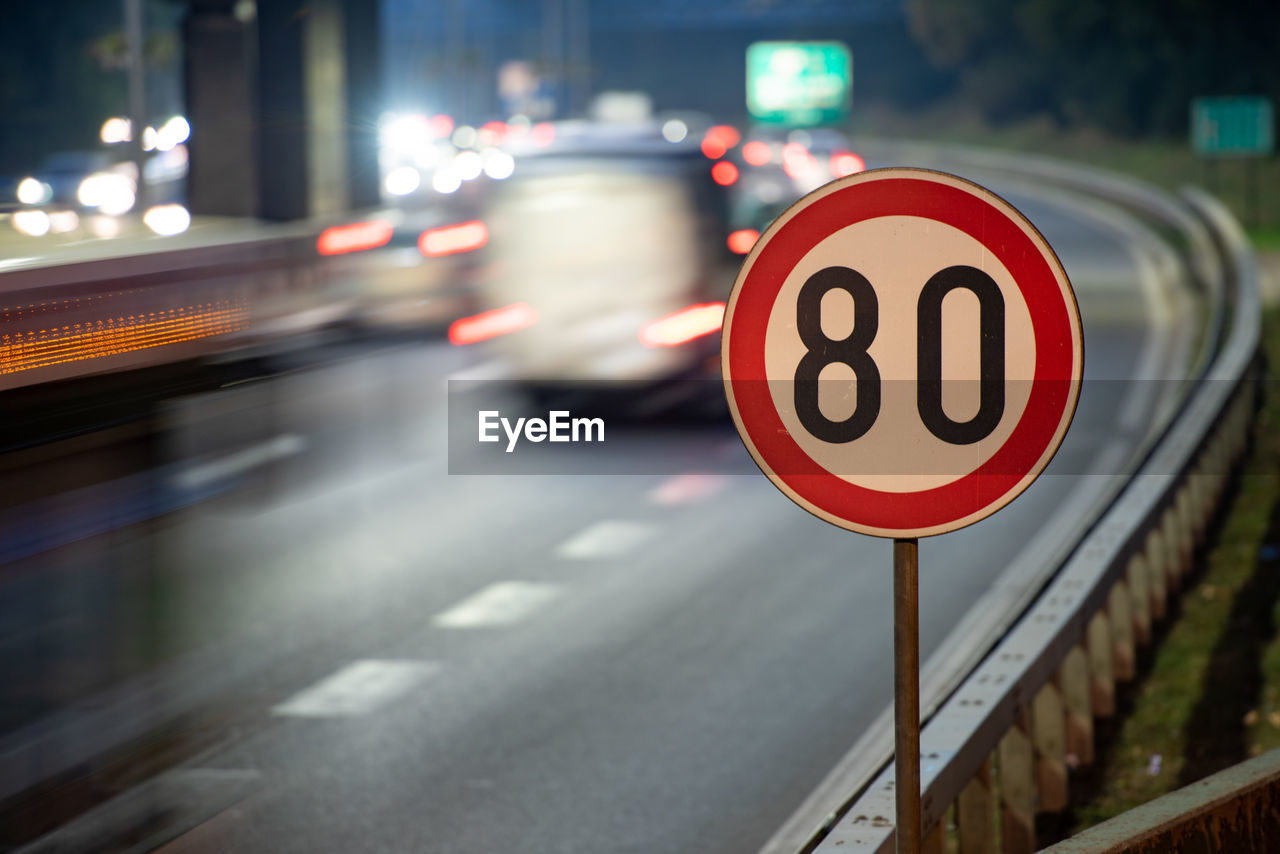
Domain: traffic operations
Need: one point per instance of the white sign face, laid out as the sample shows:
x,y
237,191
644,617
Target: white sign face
x,y
902,352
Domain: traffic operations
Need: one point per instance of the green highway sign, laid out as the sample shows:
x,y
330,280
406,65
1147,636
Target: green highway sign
x,y
1235,126
799,83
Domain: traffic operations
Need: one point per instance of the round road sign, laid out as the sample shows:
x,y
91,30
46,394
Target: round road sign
x,y
902,352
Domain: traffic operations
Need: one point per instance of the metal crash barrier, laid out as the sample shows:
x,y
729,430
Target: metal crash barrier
x,y
1234,810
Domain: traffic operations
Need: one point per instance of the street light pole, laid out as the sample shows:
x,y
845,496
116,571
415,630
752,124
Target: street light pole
x,y
133,34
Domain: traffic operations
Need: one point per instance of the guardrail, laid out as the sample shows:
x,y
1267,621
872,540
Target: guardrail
x,y
1234,810
1002,742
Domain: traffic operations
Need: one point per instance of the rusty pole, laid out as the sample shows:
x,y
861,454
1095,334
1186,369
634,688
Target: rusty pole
x,y
906,692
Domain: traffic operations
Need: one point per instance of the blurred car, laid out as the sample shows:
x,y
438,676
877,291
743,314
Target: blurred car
x,y
804,158
607,258
406,269
80,181
86,193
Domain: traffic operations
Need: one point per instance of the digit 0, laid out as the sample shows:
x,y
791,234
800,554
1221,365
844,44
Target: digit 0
x,y
990,355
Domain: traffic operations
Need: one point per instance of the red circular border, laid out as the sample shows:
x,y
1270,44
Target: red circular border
x,y
1030,267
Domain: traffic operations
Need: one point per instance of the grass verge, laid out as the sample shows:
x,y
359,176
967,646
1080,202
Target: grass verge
x,y
1208,695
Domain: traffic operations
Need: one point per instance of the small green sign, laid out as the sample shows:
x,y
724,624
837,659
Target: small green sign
x,y
799,83
1236,126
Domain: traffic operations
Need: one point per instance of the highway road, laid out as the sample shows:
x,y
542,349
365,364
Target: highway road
x,y
370,653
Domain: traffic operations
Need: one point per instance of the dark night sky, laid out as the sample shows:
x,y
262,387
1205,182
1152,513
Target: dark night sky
x,y
687,54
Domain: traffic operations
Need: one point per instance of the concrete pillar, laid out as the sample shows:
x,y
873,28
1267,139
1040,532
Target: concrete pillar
x,y
283,98
221,92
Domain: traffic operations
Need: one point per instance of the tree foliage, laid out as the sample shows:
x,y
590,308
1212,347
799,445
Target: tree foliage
x,y
1131,67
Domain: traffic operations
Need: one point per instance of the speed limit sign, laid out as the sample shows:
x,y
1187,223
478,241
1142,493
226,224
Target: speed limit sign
x,y
902,352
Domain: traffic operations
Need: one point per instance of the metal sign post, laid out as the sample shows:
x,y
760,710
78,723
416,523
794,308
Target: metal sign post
x,y
906,692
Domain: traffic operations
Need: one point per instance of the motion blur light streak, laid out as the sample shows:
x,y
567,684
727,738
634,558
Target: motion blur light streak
x,y
741,241
452,239
724,173
25,351
683,326
846,163
490,324
355,237
757,153
167,220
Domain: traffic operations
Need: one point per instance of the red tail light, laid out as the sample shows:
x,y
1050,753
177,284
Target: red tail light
x,y
713,148
727,134
683,326
543,133
491,324
724,173
757,153
797,162
718,139
452,239
355,237
441,126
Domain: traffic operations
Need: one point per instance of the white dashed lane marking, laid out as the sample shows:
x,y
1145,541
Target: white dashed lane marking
x,y
499,604
607,538
361,687
238,463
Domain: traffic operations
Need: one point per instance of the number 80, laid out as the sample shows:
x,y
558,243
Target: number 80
x,y
852,351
